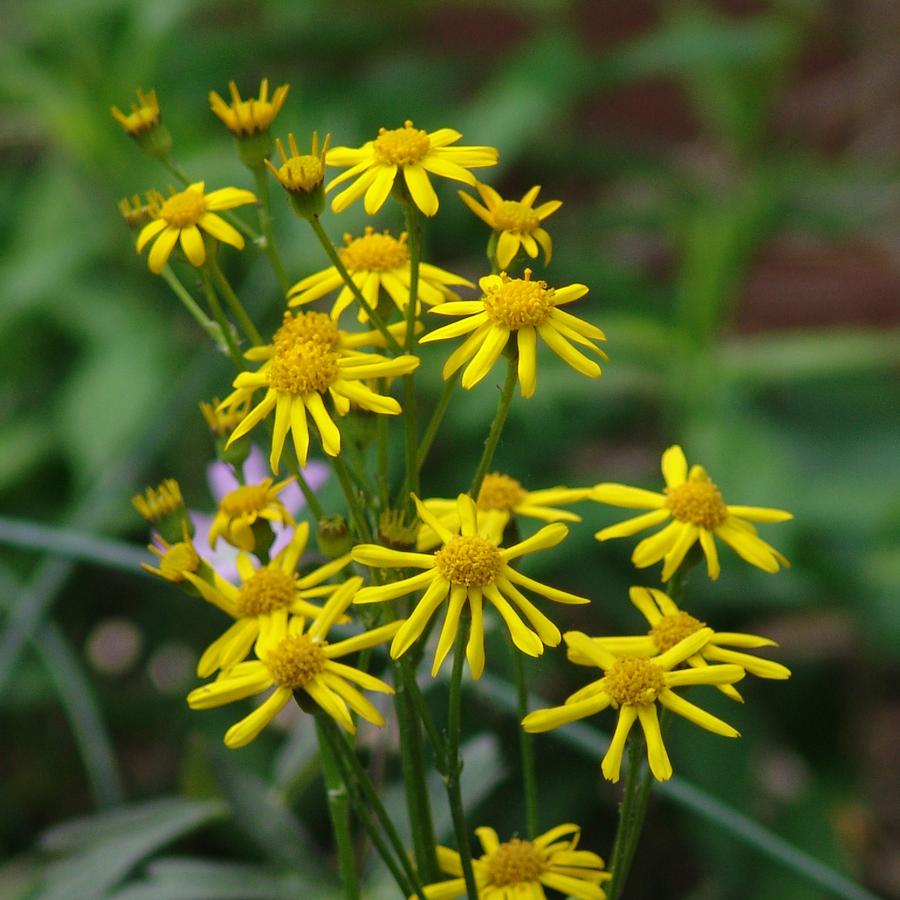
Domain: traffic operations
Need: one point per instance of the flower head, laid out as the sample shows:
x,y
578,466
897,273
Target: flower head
x,y
296,658
528,309
251,116
178,561
378,163
143,117
634,685
376,261
180,218
163,507
469,567
499,499
516,222
240,509
310,358
669,625
695,511
520,868
300,173
135,212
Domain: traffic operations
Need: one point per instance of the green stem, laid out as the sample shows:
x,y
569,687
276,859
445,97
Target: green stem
x,y
335,258
631,816
234,303
265,224
410,418
312,501
357,510
454,760
175,169
190,304
438,748
490,445
526,746
216,309
434,423
381,424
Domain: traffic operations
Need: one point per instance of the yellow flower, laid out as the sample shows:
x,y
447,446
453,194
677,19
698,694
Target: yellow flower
x,y
522,869
375,262
633,685
252,116
377,164
239,509
499,499
307,359
300,173
469,567
178,562
161,502
135,211
222,422
143,117
261,604
697,512
182,215
526,308
518,222
669,625
294,658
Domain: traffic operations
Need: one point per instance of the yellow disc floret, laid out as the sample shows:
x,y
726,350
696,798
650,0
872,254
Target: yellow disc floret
x,y
401,146
471,561
697,502
307,326
177,560
672,629
248,498
295,661
519,302
500,492
631,681
301,368
265,591
374,252
184,208
511,215
514,862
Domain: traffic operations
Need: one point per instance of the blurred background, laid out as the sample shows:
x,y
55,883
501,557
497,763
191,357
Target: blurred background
x,y
731,189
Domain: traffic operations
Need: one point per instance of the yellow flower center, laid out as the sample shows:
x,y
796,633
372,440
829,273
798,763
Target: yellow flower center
x,y
252,116
515,862
265,591
307,326
470,561
511,215
374,252
519,302
302,173
500,492
401,146
303,367
248,498
697,502
161,502
184,208
672,629
295,661
177,560
633,682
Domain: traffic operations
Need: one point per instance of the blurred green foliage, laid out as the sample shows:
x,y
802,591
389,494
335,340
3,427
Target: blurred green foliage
x,y
101,373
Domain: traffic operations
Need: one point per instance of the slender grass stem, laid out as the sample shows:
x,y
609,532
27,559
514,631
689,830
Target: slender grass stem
x,y
234,303
265,223
493,438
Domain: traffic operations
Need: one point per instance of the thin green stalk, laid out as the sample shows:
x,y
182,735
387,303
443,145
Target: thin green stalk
x,y
410,418
312,501
234,303
526,745
338,809
438,746
490,445
434,423
216,309
454,760
212,330
175,169
265,224
381,425
631,816
335,258
357,510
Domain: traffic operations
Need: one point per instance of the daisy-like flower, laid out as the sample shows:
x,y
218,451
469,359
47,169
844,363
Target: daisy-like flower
x,y
516,222
297,658
633,685
240,508
518,869
251,116
697,512
378,163
265,598
308,359
499,499
135,212
375,262
527,309
178,562
182,216
300,173
470,567
143,117
669,625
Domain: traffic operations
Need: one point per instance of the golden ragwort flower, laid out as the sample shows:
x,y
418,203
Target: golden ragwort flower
x,y
375,262
528,309
469,567
239,510
697,512
308,358
377,164
669,625
180,217
300,173
261,604
633,685
251,116
178,562
499,499
161,502
295,658
520,870
517,222
144,114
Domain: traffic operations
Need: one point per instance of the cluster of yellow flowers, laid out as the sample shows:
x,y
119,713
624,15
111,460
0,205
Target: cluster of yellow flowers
x,y
459,554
